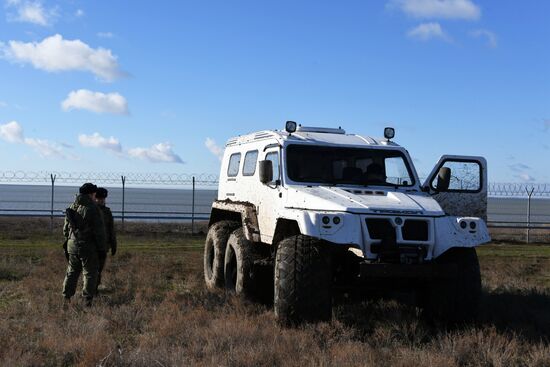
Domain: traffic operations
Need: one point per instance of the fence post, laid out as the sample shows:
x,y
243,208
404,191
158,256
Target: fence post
x,y
529,194
52,178
123,178
193,209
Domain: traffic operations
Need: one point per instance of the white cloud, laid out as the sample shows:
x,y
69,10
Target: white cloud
x,y
522,172
97,141
31,12
79,13
97,102
214,148
428,31
105,34
490,36
11,132
432,9
157,153
56,54
525,177
45,148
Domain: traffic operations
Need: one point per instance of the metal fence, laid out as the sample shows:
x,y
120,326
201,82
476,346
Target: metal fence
x,y
191,181
526,191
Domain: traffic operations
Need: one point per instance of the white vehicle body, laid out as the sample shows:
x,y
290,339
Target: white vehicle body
x,y
454,218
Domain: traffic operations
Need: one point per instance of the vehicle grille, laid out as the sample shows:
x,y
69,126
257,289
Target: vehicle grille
x,y
415,230
380,228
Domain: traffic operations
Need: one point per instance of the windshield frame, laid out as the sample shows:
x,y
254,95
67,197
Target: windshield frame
x,y
397,150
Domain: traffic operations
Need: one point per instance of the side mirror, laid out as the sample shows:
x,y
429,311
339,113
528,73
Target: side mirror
x,y
266,171
443,179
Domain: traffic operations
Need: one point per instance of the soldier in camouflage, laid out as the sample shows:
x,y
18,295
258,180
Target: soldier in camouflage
x,y
85,234
109,222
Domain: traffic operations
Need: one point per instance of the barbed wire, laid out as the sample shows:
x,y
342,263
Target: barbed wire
x,y
510,189
133,178
496,189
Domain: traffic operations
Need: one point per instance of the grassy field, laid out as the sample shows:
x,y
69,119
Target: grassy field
x,y
154,311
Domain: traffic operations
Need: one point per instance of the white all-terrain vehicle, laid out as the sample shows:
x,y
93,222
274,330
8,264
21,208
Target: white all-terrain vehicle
x,y
308,213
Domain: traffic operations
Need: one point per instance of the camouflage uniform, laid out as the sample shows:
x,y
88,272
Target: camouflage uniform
x,y
83,247
111,238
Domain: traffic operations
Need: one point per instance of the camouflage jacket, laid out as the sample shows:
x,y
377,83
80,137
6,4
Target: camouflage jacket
x,y
109,227
89,236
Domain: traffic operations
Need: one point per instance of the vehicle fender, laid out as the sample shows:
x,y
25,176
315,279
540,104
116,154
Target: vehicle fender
x,y
249,216
450,233
347,232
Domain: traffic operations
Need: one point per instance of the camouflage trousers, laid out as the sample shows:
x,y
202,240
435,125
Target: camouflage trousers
x,y
88,265
102,259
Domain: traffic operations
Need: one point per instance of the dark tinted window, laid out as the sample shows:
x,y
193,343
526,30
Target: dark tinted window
x,y
356,166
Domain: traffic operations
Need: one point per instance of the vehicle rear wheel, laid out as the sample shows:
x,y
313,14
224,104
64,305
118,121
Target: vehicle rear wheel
x,y
214,252
455,300
240,255
303,278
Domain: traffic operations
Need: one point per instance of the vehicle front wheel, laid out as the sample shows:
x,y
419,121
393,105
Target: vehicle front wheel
x,y
303,278
455,300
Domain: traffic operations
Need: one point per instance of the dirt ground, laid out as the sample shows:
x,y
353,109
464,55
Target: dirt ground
x,y
154,311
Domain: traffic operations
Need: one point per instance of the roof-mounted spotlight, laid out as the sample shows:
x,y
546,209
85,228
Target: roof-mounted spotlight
x,y
389,133
291,127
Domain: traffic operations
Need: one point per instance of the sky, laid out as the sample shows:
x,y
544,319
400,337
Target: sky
x,y
137,86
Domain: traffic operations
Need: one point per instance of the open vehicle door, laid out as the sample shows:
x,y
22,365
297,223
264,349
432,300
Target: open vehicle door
x,y
466,194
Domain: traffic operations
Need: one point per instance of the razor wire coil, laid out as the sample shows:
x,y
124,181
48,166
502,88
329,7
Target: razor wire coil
x,y
512,189
133,178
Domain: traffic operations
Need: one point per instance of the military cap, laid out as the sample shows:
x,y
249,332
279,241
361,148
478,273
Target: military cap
x,y
88,188
101,193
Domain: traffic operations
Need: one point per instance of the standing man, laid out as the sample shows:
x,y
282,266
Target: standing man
x,y
109,222
85,232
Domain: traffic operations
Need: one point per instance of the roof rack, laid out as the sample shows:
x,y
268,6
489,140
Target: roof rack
x,y
322,130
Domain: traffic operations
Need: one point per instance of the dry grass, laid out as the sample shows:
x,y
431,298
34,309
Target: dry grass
x,y
155,311
520,235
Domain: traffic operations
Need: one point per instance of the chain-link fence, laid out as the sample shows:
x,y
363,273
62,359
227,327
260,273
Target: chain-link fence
x,y
519,206
532,198
190,182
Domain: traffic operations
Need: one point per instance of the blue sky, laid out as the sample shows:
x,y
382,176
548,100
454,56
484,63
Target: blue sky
x,y
141,86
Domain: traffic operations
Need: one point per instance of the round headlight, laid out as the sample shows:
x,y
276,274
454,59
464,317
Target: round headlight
x,y
473,225
336,220
463,225
326,220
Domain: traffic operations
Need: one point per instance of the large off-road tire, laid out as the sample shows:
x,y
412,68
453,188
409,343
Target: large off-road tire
x,y
455,300
240,255
214,252
303,277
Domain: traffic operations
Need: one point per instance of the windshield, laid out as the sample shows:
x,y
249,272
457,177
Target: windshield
x,y
355,166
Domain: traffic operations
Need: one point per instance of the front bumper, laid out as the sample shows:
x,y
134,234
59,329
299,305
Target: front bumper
x,y
369,272
374,277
